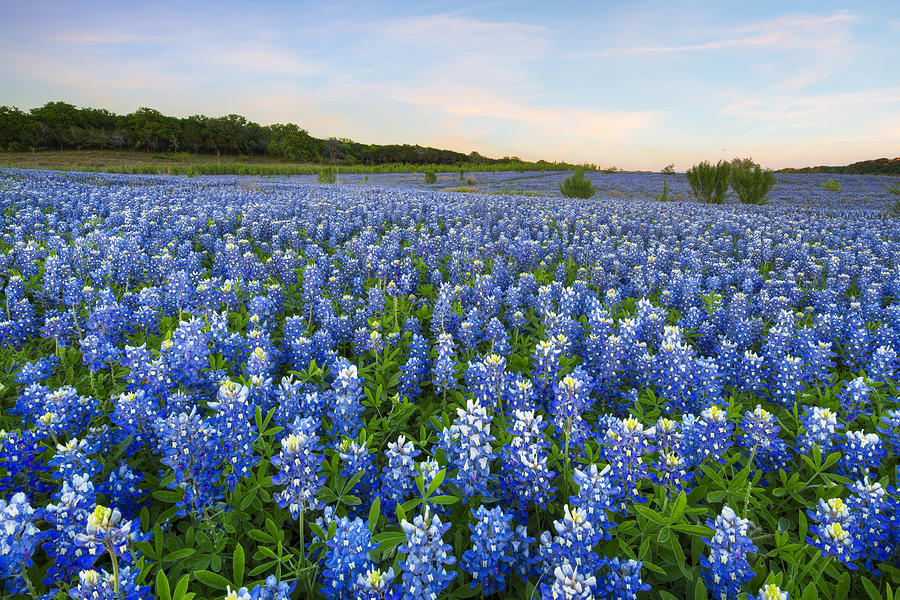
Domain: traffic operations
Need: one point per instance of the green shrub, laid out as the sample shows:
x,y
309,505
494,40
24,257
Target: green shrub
x,y
831,185
430,177
751,184
327,175
663,196
577,186
709,182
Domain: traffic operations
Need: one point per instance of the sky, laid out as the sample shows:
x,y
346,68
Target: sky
x,y
637,85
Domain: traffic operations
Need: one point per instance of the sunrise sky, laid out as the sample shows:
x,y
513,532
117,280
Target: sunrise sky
x,y
631,84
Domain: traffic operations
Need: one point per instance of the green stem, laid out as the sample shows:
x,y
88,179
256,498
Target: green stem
x,y
115,566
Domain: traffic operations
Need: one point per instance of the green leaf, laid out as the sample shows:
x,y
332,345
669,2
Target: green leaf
x,y
843,586
437,481
261,536
700,592
237,565
401,514
181,587
213,580
180,554
162,586
388,540
871,588
650,514
810,592
444,499
374,514
168,496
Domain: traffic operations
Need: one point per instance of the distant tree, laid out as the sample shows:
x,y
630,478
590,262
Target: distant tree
x,y
669,169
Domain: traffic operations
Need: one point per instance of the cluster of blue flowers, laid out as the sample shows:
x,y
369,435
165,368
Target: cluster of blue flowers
x,y
345,361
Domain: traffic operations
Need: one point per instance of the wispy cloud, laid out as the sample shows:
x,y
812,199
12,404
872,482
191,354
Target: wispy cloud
x,y
792,31
813,110
476,104
101,37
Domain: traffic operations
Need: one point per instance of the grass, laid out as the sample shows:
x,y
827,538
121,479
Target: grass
x,y
182,163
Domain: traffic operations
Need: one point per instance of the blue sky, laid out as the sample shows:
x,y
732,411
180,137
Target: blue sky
x,y
631,84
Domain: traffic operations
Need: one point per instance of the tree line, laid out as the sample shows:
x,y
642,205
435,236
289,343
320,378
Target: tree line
x,y
62,126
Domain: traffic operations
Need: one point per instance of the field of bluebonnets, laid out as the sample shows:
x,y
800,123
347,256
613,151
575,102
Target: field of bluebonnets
x,y
268,389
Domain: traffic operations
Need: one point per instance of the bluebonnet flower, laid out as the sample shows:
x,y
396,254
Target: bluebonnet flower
x,y
346,408
835,531
424,573
67,516
571,396
860,453
883,365
487,380
596,498
20,454
890,429
625,444
101,585
37,371
397,477
357,460
444,369
623,580
189,446
415,370
569,583
72,458
573,543
874,512
375,584
122,488
820,428
760,439
525,477
274,589
234,422
520,395
135,414
105,531
18,538
726,568
854,397
347,558
467,446
770,591
490,559
299,464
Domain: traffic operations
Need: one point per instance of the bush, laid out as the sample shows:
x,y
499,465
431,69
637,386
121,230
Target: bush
x,y
663,196
751,184
577,186
831,185
430,177
327,175
669,169
709,183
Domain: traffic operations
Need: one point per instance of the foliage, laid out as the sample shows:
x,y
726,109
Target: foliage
x,y
751,184
576,186
831,185
709,183
327,175
663,196
669,169
59,125
430,177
